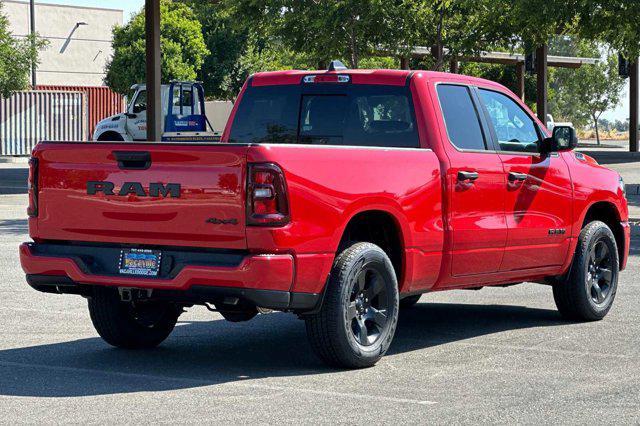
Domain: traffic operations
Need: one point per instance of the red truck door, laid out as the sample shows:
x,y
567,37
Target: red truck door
x,y
538,188
475,185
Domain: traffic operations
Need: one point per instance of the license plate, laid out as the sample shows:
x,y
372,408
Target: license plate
x,y
141,262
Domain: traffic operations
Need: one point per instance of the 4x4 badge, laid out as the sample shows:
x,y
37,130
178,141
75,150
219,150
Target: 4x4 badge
x,y
217,221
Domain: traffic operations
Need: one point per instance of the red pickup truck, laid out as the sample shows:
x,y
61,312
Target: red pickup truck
x,y
340,196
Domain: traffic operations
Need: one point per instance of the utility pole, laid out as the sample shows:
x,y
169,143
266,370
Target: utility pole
x,y
633,105
153,64
541,74
32,13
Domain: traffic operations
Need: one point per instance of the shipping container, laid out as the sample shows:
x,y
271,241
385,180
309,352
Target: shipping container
x,y
102,102
29,117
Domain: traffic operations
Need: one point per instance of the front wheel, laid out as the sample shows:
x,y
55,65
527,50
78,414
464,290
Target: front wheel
x,y
588,292
127,325
359,315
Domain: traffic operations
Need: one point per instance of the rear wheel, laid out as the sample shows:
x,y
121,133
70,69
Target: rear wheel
x,y
129,325
358,318
588,292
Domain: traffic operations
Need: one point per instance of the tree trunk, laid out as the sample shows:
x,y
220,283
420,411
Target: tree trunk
x,y
354,45
439,48
595,122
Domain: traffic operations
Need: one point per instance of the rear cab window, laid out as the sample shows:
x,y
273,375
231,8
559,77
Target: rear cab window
x,y
327,114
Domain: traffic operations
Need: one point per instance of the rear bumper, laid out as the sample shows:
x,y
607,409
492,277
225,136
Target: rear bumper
x,y
264,280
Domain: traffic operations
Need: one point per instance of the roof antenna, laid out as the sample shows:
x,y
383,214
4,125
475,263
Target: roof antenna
x,y
336,65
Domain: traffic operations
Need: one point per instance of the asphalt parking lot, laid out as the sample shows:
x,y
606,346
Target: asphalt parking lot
x,y
488,356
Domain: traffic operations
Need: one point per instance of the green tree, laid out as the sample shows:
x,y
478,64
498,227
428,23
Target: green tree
x,y
17,56
503,74
615,22
240,44
596,88
350,30
582,95
262,55
183,48
227,39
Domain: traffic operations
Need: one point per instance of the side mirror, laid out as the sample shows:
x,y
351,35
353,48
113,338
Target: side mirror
x,y
137,109
130,115
563,138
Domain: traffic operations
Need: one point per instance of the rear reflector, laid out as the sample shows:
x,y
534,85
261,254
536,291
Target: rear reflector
x,y
327,78
267,201
32,185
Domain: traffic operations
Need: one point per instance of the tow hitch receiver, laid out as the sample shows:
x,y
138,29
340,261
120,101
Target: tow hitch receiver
x,y
132,294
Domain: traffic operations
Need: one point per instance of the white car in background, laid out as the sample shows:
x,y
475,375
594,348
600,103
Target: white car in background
x,y
551,123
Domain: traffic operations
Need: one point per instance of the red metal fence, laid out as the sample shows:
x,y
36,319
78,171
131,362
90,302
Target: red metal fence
x,y
102,102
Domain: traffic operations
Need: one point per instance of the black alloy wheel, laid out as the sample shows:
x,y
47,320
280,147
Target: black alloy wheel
x,y
599,272
368,307
587,291
359,314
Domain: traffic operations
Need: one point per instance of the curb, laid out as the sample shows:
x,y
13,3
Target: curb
x,y
634,224
14,160
632,189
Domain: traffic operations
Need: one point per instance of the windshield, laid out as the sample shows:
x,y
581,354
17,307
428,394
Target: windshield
x,y
326,114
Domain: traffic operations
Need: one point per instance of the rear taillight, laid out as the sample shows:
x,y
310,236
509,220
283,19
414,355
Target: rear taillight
x,y
267,202
32,185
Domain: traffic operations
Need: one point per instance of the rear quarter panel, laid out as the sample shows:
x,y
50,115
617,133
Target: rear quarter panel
x,y
328,186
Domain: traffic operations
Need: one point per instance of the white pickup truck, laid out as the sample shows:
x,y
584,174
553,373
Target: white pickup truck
x,y
551,123
183,116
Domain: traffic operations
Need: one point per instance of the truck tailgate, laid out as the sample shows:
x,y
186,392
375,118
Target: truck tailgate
x,y
152,194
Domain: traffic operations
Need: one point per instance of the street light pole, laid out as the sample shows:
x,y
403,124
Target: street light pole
x,y
32,13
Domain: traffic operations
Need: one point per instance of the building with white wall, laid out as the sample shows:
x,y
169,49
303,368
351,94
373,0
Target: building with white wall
x,y
80,40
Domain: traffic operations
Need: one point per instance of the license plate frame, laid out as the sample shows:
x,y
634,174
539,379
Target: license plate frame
x,y
140,262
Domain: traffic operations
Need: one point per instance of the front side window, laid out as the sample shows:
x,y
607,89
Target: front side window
x,y
516,131
140,104
327,114
461,117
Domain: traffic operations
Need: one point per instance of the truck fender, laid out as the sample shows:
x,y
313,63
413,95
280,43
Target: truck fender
x,y
112,125
376,204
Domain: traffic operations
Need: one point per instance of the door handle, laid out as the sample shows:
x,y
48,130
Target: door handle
x,y
462,176
521,177
133,160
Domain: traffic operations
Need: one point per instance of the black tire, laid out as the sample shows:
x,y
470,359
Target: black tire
x,y
588,291
361,298
409,301
110,137
124,325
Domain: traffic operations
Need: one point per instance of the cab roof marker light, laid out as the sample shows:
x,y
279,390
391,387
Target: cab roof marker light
x,y
327,78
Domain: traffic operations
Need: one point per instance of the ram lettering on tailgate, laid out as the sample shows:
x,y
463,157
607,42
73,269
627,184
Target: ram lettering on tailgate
x,y
156,189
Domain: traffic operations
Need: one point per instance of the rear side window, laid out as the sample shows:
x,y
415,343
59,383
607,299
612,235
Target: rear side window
x,y
461,117
327,114
266,115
